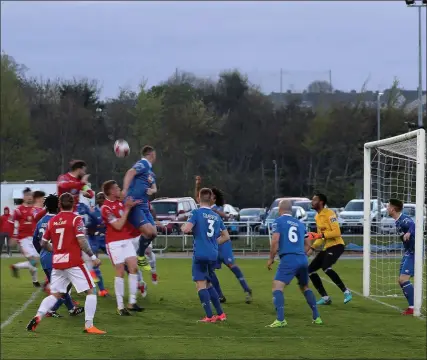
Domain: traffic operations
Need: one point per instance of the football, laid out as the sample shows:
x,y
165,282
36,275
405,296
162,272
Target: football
x,y
121,148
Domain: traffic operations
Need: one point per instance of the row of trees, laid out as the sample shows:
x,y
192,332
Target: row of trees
x,y
226,131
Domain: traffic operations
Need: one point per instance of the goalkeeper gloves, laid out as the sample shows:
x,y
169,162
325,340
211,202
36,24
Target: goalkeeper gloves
x,y
312,236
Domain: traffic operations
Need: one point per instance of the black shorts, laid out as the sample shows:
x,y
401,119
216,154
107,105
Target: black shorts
x,y
326,258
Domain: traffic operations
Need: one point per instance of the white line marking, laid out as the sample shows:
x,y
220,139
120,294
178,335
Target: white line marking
x,y
20,310
373,299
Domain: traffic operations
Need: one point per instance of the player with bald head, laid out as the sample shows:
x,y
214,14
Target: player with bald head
x,y
289,242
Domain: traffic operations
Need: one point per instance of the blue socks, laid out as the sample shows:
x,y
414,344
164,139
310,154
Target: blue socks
x,y
143,245
64,300
408,291
215,283
215,300
311,301
279,304
206,302
99,276
239,275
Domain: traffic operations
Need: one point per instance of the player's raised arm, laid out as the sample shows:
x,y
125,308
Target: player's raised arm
x,y
137,169
197,188
117,223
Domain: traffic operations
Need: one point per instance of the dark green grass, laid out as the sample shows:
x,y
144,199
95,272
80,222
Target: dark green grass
x,y
168,328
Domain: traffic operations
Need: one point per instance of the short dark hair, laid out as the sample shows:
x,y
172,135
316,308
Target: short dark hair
x,y
66,201
51,203
26,190
219,196
106,186
322,198
397,204
147,150
38,194
77,164
205,195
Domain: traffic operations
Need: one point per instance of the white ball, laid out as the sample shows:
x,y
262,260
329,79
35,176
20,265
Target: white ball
x,y
121,148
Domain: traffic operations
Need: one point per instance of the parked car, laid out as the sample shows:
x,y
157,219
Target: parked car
x,y
388,223
351,218
253,215
275,203
297,212
169,210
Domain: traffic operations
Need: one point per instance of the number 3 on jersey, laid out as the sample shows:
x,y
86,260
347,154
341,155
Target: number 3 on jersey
x,y
293,234
211,228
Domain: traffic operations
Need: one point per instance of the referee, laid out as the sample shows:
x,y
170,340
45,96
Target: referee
x,y
328,236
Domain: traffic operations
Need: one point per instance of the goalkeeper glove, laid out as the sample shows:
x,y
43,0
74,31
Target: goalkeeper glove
x,y
312,236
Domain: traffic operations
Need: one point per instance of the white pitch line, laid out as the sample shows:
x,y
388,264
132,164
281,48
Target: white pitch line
x,y
373,299
20,310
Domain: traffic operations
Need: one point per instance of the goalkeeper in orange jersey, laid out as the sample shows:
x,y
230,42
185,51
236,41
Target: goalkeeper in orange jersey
x,y
328,237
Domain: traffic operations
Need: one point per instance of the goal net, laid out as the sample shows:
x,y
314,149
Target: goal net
x,y
394,168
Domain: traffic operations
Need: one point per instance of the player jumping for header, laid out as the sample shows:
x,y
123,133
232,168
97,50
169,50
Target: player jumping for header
x,y
405,228
67,233
288,241
328,235
208,231
140,183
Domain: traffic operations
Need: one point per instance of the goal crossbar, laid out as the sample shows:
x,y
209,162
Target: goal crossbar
x,y
420,161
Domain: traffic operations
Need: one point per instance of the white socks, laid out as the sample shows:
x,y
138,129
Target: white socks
x,y
133,287
119,289
22,265
46,305
90,309
152,261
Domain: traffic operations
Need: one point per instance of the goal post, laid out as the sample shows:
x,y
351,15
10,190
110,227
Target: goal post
x,y
394,168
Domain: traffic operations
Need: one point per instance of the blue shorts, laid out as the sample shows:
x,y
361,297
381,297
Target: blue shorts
x,y
407,265
293,265
140,215
225,255
97,243
202,270
48,273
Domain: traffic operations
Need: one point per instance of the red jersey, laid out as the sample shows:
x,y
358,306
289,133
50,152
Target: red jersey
x,y
25,217
63,230
69,183
111,211
38,213
5,226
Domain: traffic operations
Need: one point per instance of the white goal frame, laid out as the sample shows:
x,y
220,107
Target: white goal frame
x,y
419,212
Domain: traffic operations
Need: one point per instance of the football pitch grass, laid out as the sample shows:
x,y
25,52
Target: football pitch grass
x,y
167,329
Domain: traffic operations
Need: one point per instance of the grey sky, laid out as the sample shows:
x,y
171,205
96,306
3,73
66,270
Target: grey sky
x,y
120,43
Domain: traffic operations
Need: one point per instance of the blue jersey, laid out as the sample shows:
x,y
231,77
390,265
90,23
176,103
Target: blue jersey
x,y
405,224
143,180
45,256
292,235
95,224
206,230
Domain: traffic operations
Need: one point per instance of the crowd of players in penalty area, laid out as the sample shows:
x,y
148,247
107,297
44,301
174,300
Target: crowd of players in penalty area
x,y
53,231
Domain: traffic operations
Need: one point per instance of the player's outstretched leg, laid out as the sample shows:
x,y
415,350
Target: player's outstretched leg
x,y
311,301
142,259
215,284
317,282
338,282
46,305
216,303
279,305
102,290
239,275
152,260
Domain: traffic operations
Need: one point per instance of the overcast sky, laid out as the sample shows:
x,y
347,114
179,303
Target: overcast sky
x,y
120,43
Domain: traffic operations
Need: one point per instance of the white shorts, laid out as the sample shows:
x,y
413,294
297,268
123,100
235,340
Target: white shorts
x,y
119,251
27,247
79,276
135,242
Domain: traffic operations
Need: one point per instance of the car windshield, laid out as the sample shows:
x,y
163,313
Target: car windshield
x,y
306,205
164,208
410,211
250,212
356,206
